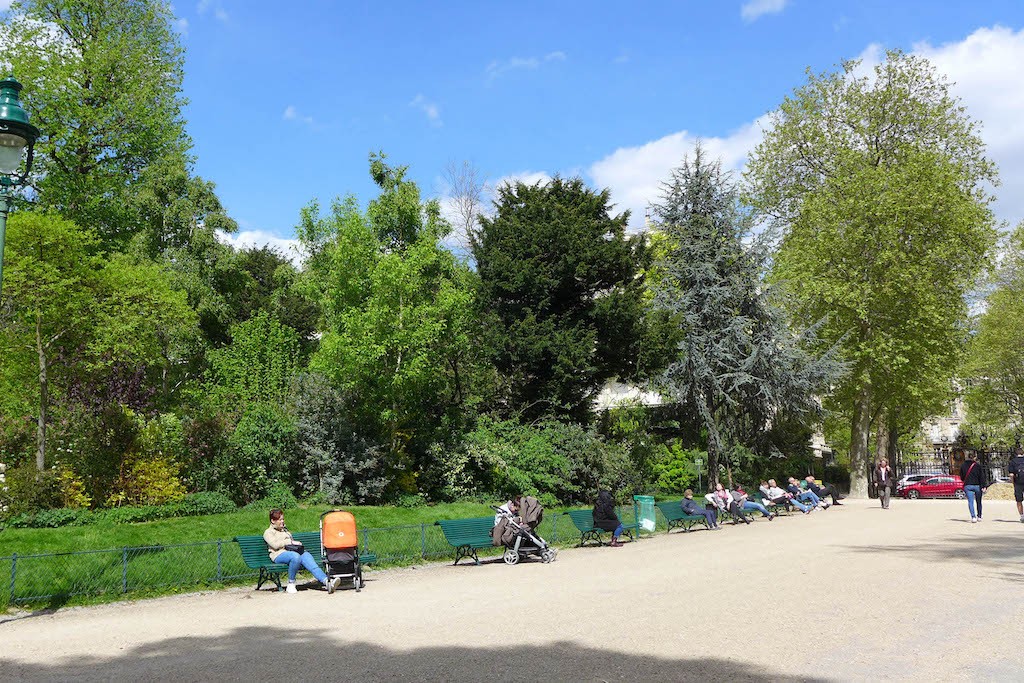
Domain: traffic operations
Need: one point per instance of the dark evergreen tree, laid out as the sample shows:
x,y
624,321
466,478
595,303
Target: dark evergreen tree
x,y
560,297
738,366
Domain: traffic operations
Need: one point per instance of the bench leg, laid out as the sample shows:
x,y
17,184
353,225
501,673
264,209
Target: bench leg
x,y
465,551
591,535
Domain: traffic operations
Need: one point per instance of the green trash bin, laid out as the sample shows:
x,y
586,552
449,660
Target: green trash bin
x,y
644,506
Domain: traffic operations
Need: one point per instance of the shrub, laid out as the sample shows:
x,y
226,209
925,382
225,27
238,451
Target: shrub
x,y
278,496
154,481
135,514
676,469
205,503
58,517
259,452
26,490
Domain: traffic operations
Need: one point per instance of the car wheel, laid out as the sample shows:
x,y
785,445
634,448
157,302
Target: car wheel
x,y
960,494
913,495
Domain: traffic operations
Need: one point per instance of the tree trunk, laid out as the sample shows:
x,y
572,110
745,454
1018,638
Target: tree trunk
x,y
860,432
43,398
882,438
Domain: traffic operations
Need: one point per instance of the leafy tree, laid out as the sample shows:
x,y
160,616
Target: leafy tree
x,y
560,296
397,315
996,362
738,365
103,80
95,315
879,186
259,363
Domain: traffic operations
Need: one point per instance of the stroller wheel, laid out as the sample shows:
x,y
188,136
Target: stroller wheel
x,y
548,555
511,557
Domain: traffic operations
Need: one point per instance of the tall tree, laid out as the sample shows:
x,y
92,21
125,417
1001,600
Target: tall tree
x,y
995,366
103,80
560,296
737,366
397,311
879,184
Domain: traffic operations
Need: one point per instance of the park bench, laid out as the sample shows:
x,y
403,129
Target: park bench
x,y
584,521
770,506
467,535
256,555
673,513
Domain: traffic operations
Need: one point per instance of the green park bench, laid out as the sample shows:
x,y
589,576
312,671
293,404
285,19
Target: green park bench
x,y
770,506
467,535
256,555
673,513
584,521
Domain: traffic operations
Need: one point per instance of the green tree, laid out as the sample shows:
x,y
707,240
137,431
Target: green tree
x,y
258,365
738,367
397,315
103,80
560,296
995,365
879,184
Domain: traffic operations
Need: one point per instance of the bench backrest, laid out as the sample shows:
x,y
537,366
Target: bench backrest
x,y
255,552
466,531
673,510
583,519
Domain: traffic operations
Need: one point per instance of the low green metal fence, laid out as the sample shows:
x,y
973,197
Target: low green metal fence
x,y
34,579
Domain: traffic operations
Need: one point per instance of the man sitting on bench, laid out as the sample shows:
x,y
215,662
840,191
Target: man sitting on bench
x,y
805,495
780,497
823,491
692,507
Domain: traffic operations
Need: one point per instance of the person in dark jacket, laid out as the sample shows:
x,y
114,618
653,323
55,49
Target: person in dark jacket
x,y
823,491
1016,470
605,517
692,507
975,483
884,482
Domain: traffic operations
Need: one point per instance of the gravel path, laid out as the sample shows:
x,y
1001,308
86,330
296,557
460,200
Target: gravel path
x,y
851,593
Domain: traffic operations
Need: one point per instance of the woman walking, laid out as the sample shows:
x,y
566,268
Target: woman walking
x,y
975,483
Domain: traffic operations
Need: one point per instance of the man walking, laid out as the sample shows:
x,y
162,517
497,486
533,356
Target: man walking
x,y
1016,470
884,482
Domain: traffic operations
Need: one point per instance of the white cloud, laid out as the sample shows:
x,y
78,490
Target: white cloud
x,y
429,109
987,68
635,174
5,5
292,114
243,239
182,26
500,67
755,9
204,6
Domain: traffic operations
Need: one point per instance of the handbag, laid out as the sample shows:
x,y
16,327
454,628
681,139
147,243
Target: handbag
x,y
295,548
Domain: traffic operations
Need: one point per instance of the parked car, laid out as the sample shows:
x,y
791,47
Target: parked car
x,y
914,478
940,486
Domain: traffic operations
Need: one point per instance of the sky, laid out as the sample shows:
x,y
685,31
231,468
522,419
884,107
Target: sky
x,y
286,101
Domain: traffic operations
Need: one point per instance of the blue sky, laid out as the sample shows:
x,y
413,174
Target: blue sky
x,y
286,104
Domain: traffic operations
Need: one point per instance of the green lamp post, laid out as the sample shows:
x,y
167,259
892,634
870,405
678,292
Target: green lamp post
x,y
16,133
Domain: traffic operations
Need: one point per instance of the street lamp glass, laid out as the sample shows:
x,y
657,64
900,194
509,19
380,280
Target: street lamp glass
x,y
11,146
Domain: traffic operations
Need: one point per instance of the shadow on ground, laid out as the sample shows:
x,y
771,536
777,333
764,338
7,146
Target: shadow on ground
x,y
252,653
994,551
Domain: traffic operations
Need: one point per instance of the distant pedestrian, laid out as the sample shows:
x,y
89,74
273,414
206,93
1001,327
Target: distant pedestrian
x,y
1016,470
884,482
975,484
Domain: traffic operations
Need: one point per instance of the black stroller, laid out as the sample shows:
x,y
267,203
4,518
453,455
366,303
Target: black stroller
x,y
519,535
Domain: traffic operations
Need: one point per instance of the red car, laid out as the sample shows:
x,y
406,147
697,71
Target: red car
x,y
938,486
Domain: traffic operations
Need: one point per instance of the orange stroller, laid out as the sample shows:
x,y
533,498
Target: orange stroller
x,y
339,546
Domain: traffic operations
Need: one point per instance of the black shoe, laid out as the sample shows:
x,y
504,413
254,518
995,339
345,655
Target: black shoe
x,y
837,503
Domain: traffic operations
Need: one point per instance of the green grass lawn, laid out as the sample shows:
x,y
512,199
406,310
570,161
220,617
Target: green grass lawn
x,y
213,527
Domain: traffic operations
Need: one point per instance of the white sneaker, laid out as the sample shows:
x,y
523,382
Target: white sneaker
x,y
1022,518
332,584
974,520
290,588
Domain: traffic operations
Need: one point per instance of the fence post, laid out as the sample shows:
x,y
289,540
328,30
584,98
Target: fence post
x,y
220,573
423,541
554,529
124,569
14,573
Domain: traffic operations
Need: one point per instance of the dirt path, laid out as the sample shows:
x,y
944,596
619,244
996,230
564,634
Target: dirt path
x,y
852,593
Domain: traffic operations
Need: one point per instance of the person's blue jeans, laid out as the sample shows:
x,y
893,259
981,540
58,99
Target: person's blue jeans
x,y
811,496
798,505
973,492
617,532
295,560
751,505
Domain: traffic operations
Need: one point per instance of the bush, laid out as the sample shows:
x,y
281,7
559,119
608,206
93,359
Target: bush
x,y
260,451
676,469
204,503
838,476
51,519
25,490
278,496
135,514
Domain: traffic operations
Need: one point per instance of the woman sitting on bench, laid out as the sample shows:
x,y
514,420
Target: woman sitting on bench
x,y
284,550
605,517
